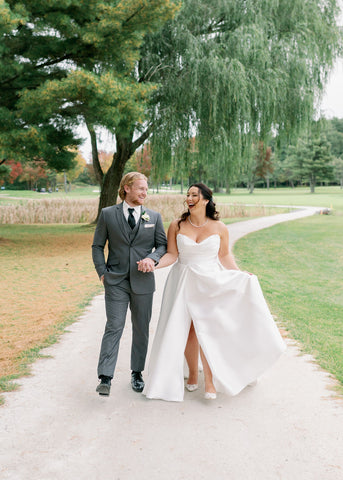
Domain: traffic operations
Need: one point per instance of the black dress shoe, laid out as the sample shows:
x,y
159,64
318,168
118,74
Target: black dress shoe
x,y
137,382
104,386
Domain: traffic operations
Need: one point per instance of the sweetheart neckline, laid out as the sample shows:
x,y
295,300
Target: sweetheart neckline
x,y
198,243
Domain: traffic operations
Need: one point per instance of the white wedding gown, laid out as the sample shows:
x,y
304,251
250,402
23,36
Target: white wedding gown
x,y
231,318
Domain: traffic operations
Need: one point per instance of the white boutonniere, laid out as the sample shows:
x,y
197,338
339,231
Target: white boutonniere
x,y
145,217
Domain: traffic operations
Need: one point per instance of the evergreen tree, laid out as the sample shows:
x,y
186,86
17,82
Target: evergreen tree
x,y
338,170
334,133
311,160
318,163
62,61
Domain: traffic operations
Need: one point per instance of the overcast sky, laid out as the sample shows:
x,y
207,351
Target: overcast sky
x,y
332,103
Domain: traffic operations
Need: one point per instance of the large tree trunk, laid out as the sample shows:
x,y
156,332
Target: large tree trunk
x,y
99,175
111,180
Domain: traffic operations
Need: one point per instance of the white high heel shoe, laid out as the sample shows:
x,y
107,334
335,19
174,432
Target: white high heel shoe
x,y
191,387
210,396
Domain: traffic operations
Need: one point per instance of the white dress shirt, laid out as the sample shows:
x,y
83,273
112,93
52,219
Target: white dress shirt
x,y
136,211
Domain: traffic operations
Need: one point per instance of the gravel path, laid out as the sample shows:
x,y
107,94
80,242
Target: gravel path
x,y
55,427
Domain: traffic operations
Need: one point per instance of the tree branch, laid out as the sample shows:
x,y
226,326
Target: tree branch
x,y
68,55
147,77
36,67
140,140
95,156
133,15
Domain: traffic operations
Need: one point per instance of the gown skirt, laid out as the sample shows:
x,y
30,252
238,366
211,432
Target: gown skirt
x,y
232,321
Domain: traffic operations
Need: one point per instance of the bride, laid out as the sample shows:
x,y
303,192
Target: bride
x,y
210,306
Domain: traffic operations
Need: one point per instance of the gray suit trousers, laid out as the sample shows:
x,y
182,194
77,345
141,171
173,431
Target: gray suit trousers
x,y
117,300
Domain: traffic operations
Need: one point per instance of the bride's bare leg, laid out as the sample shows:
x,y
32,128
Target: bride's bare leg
x,y
192,356
209,387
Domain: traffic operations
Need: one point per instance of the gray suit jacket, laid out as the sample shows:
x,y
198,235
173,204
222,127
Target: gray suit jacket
x,y
126,247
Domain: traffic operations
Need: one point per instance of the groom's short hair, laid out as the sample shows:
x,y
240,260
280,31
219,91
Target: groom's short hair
x,y
128,180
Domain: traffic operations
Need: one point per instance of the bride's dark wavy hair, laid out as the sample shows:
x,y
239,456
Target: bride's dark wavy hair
x,y
206,193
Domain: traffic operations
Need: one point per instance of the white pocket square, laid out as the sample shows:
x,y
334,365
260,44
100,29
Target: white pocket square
x,y
149,225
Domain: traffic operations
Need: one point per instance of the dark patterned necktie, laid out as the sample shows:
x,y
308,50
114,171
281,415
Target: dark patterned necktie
x,y
131,220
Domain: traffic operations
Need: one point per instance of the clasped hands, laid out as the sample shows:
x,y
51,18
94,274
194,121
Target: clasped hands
x,y
146,265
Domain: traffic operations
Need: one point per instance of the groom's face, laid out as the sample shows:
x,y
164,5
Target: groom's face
x,y
136,193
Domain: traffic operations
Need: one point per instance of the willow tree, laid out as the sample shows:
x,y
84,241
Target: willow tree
x,y
229,73
233,73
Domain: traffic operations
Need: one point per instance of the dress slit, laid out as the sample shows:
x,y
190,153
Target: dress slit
x,y
204,352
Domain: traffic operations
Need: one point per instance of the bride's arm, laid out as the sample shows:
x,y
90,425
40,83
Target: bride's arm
x,y
225,257
172,252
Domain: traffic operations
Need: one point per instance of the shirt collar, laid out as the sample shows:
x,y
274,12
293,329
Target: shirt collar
x,y
126,207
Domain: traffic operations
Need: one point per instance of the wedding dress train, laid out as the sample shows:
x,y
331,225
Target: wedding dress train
x,y
234,326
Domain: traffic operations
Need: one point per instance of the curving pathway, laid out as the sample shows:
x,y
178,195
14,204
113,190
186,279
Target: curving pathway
x,y
240,229
288,427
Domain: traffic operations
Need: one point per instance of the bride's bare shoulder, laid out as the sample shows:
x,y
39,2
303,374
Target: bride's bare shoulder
x,y
221,225
222,228
174,226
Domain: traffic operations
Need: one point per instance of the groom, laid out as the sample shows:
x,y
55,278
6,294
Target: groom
x,y
133,235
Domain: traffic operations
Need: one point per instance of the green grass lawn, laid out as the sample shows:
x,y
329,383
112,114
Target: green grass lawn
x,y
88,191
300,265
323,197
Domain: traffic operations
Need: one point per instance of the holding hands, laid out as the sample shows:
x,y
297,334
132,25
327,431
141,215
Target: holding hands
x,y
146,265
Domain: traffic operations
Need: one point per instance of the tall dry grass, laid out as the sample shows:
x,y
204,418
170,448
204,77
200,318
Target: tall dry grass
x,y
172,206
65,210
59,210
